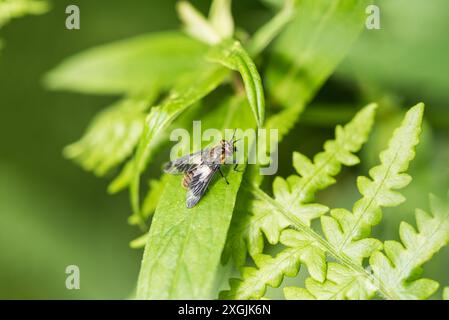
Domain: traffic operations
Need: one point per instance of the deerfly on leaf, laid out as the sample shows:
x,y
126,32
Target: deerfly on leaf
x,y
200,167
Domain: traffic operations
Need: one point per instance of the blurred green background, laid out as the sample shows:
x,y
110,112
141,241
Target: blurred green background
x,y
53,214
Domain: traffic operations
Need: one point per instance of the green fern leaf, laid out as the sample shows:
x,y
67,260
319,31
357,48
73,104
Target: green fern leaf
x,y
348,231
399,266
271,272
295,194
341,283
297,191
312,55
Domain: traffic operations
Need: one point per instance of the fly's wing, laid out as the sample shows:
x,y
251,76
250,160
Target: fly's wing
x,y
184,164
201,178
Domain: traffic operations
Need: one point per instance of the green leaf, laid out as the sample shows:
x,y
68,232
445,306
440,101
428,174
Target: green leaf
x,y
139,242
294,293
271,271
130,65
265,35
398,267
296,193
348,231
125,176
232,55
311,47
196,25
188,91
342,283
306,54
220,17
184,245
446,293
10,9
155,189
219,25
112,135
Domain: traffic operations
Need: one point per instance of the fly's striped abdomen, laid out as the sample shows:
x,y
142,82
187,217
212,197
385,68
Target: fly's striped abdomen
x,y
187,179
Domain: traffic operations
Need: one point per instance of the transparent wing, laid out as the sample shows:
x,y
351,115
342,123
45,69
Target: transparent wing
x,y
201,178
185,164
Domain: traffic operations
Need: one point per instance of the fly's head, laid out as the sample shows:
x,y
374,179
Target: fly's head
x,y
228,148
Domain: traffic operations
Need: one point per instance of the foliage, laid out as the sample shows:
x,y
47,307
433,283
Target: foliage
x,y
111,137
296,193
129,66
394,273
11,9
446,293
261,81
193,243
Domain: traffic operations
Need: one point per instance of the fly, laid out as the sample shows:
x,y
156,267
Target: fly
x,y
200,167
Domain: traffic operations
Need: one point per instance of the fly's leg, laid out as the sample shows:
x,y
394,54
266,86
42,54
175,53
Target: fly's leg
x,y
223,176
236,165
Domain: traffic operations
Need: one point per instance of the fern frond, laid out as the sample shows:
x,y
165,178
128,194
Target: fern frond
x,y
341,283
399,265
271,271
296,192
347,231
294,195
112,135
396,270
347,278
